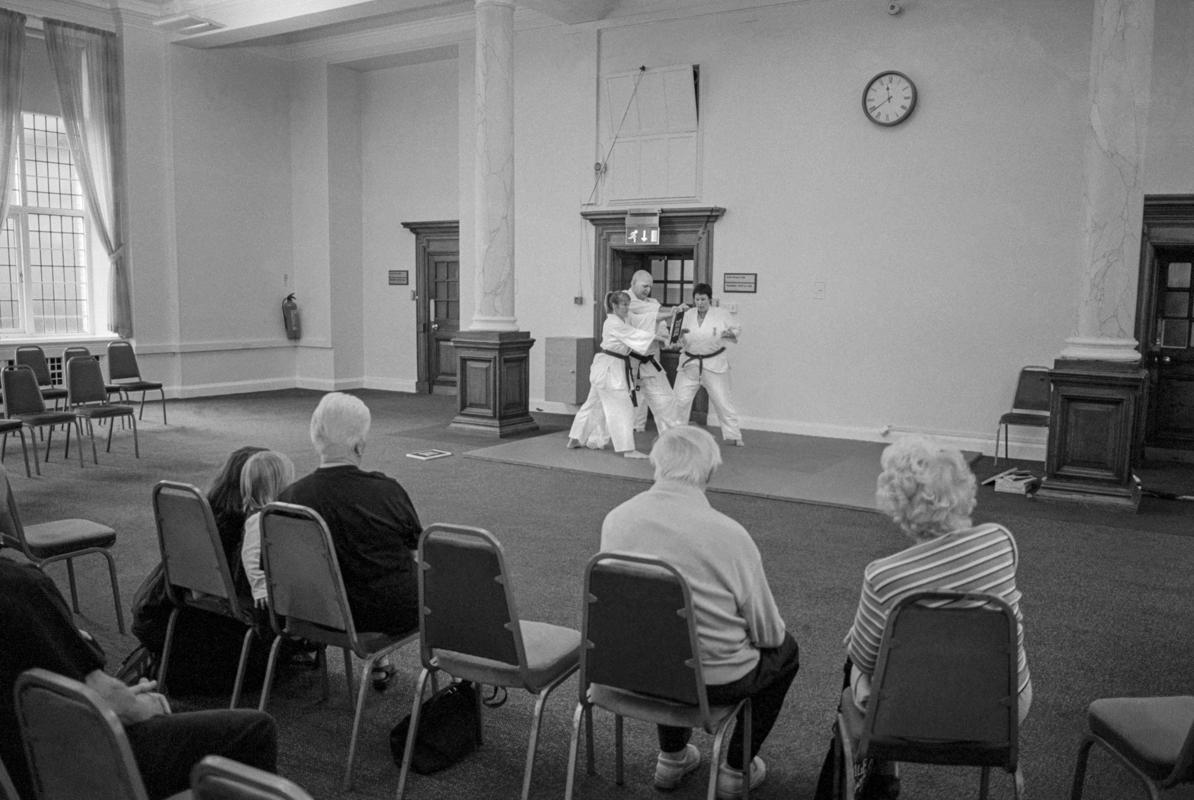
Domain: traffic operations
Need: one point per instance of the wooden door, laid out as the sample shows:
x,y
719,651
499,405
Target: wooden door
x,y
1169,354
443,316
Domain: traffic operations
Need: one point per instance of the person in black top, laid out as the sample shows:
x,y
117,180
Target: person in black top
x,y
37,630
373,523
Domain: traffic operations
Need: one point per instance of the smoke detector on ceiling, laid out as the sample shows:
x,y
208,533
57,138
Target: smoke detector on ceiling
x,y
187,24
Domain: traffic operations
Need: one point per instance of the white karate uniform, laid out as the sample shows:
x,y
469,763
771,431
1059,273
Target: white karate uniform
x,y
652,381
608,412
713,372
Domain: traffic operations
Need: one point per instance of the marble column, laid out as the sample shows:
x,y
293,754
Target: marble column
x,y
494,167
1120,82
492,354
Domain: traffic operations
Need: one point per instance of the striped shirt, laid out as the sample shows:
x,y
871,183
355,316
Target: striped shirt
x,y
979,559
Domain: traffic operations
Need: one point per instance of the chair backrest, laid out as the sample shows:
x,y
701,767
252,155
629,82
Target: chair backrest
x,y
192,552
75,351
465,603
21,392
34,357
639,630
219,778
12,533
302,574
75,745
1032,390
122,361
84,381
945,683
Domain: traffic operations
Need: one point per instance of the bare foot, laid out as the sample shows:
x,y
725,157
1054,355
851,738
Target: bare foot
x,y
634,454
573,444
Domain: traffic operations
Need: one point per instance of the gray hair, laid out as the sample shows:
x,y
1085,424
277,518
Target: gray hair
x,y
687,454
340,423
926,488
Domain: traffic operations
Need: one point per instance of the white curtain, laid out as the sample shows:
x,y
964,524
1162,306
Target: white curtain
x,y
12,48
87,68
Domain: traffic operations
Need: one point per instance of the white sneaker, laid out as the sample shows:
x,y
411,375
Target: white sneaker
x,y
670,768
730,781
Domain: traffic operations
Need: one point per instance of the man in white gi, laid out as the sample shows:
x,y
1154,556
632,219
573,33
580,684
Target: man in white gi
x,y
650,378
705,333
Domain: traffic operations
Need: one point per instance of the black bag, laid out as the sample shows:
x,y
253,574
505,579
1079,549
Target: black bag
x,y
447,730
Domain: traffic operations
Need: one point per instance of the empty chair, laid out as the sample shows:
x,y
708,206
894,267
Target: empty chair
x,y
23,402
63,539
1152,736
34,357
197,571
8,426
75,745
87,398
219,778
125,376
307,597
1030,407
469,628
642,660
945,690
77,351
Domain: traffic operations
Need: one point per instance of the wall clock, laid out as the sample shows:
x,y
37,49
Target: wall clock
x,y
889,98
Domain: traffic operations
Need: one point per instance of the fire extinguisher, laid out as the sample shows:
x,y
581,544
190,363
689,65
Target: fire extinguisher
x,y
290,318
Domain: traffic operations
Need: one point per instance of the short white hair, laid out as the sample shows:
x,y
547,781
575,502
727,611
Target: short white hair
x,y
339,422
925,487
687,454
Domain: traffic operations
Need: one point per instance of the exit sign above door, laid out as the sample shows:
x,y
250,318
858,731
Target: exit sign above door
x,y
642,227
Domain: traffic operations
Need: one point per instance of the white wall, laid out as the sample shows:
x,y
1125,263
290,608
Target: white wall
x,y
409,153
1169,155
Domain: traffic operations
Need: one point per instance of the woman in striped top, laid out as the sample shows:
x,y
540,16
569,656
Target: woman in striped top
x,y
929,491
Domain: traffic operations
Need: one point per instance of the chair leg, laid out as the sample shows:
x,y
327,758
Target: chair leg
x,y
79,437
136,443
348,671
91,435
1018,782
409,751
366,668
163,390
591,762
115,590
984,783
618,749
241,666
269,673
536,722
574,751
997,429
166,648
25,452
1083,756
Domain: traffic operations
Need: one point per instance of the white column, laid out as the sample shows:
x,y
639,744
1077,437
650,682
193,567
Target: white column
x,y
1120,82
494,167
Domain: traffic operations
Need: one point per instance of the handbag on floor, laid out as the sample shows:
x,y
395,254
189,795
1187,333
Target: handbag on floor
x,y
447,729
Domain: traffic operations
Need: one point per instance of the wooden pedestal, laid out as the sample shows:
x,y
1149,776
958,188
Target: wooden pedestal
x,y
1093,425
493,382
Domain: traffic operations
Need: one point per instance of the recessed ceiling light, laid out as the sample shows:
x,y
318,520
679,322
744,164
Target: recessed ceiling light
x,y
187,24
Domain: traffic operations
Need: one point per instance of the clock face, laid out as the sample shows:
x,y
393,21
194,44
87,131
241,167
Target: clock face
x,y
889,98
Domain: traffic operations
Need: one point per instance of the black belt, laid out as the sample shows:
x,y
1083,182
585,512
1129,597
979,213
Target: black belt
x,y
700,359
625,359
647,359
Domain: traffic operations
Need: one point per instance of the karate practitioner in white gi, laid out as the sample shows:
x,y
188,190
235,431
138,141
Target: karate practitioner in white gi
x,y
652,381
608,412
705,333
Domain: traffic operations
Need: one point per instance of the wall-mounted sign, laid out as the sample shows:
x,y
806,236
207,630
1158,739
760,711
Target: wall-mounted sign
x,y
399,277
642,227
744,282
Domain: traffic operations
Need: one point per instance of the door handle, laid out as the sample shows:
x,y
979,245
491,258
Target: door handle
x,y
435,326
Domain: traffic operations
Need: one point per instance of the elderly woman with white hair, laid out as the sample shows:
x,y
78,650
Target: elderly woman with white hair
x,y
373,523
928,490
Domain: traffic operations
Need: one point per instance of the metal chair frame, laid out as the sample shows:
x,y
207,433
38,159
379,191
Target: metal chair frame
x,y
23,402
670,689
1030,407
34,357
1183,765
220,778
124,376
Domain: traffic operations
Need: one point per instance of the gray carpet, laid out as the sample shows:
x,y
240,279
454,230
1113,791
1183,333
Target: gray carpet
x,y
1107,599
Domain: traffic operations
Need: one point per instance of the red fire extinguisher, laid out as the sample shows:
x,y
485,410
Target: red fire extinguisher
x,y
290,318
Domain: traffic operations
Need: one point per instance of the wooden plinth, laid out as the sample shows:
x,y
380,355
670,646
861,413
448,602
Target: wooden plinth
x,y
493,382
1093,425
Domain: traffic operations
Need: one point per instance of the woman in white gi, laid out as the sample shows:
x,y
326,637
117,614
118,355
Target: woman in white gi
x,y
608,412
705,332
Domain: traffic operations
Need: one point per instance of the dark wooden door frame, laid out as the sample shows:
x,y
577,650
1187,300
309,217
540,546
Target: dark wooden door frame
x,y
433,238
1168,221
678,227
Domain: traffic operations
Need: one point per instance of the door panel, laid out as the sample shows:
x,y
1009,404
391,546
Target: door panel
x,y
443,314
1170,356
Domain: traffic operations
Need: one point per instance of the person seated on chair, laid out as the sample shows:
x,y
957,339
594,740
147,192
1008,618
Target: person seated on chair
x,y
929,491
746,650
206,647
37,630
372,521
